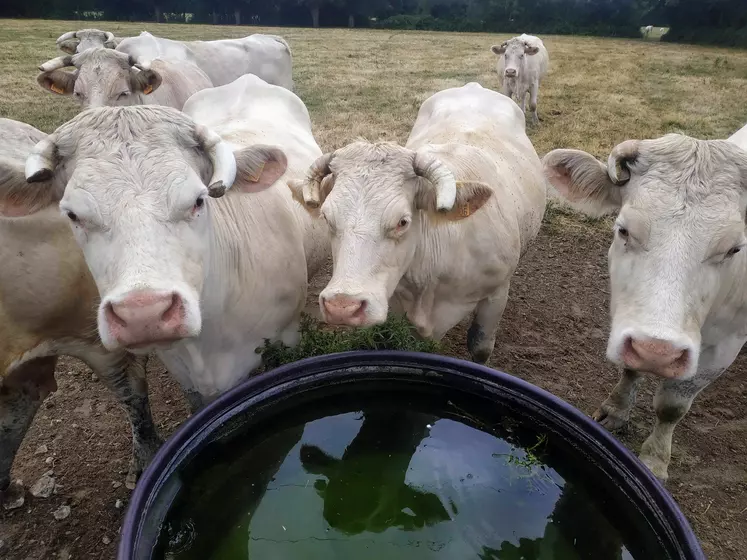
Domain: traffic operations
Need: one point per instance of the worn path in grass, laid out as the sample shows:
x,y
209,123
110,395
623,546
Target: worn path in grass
x,y
370,83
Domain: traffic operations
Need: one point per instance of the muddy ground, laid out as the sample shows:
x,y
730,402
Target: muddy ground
x,y
553,334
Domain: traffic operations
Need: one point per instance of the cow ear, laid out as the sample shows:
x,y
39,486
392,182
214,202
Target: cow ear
x,y
145,81
582,180
531,49
19,198
258,167
60,82
70,46
498,49
470,197
297,188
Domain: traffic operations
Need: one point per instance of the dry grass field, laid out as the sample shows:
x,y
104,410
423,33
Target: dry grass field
x,y
371,83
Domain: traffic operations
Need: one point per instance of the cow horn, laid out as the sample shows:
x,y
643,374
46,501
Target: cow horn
x,y
41,162
222,158
617,163
56,63
67,36
442,179
312,186
108,38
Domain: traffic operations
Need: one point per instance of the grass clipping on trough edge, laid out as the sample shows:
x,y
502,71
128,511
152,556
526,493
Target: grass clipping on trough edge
x,y
317,339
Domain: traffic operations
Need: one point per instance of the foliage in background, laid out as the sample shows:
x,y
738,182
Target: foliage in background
x,y
316,340
714,21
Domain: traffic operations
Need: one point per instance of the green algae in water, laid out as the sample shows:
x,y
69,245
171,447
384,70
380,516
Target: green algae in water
x,y
390,481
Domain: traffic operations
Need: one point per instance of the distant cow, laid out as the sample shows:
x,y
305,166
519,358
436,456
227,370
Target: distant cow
x,y
647,30
522,63
439,224
105,77
678,268
74,42
203,279
48,306
266,56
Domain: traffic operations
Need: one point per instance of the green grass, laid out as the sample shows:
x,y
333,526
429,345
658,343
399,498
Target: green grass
x,y
317,340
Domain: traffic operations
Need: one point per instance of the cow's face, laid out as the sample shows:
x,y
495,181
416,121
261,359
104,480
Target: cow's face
x,y
514,53
679,241
102,78
137,200
374,198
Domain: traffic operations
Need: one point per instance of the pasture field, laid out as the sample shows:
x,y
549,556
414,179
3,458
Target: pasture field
x,y
370,83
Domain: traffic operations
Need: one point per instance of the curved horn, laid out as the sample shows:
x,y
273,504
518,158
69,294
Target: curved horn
x,y
67,36
56,63
313,184
431,169
109,38
41,162
141,64
222,158
617,167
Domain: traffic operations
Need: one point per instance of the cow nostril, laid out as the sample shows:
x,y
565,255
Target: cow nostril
x,y
112,316
173,310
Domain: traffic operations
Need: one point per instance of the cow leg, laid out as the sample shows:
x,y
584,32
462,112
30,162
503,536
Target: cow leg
x,y
533,92
672,402
482,332
21,394
614,413
523,96
124,375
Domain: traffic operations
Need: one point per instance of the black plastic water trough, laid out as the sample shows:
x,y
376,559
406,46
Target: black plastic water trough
x,y
613,473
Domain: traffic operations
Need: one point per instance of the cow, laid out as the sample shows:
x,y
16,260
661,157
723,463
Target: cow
x,y
201,278
647,30
74,42
106,77
522,63
250,109
48,303
438,225
677,264
266,56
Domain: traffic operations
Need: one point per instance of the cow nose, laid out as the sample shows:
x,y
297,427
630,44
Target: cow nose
x,y
344,310
146,317
656,356
510,72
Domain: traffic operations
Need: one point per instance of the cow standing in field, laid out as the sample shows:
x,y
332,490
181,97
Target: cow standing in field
x,y
105,77
202,278
647,30
266,56
74,42
678,268
522,63
48,304
439,224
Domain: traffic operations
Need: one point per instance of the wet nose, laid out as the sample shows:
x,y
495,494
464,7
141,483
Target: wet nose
x,y
510,72
653,355
344,310
146,317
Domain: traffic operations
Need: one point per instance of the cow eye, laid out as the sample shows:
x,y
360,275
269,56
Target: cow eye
x,y
623,232
199,203
733,251
123,95
73,216
403,223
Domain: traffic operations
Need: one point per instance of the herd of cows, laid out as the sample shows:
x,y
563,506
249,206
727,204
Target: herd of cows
x,y
185,210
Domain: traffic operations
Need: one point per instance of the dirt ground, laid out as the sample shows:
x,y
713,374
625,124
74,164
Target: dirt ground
x,y
554,330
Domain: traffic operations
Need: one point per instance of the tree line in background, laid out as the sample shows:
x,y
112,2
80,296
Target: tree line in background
x,y
721,22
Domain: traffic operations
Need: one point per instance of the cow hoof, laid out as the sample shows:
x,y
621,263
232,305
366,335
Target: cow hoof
x,y
611,418
657,467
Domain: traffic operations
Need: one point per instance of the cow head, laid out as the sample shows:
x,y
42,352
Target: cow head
x,y
679,240
102,77
139,182
375,197
514,52
78,41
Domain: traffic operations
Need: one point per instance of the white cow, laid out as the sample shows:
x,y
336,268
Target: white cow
x,y
647,30
439,224
106,77
678,268
250,109
522,63
266,56
74,42
203,279
48,306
